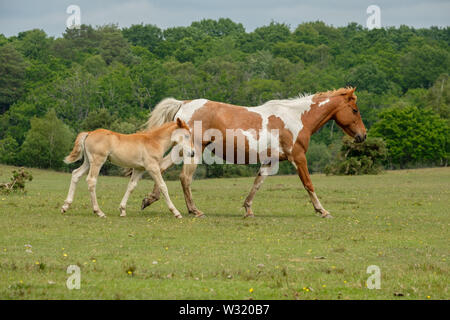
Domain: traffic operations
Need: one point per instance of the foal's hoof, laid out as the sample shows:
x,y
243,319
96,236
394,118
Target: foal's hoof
x,y
179,216
122,212
101,214
64,208
249,215
328,216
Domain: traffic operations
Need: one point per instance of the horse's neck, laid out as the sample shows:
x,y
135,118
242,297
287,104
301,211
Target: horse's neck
x,y
301,113
163,135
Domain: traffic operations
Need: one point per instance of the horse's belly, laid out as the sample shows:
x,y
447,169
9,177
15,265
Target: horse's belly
x,y
126,160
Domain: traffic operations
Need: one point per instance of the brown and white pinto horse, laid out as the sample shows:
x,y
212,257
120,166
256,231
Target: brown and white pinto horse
x,y
296,120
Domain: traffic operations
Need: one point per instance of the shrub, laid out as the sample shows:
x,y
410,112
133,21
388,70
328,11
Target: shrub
x,y
17,182
413,136
358,158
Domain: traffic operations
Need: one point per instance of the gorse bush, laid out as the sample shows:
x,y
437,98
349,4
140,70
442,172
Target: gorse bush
x,y
17,181
358,158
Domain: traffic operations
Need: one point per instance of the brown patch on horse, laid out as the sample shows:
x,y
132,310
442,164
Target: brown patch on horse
x,y
285,136
223,116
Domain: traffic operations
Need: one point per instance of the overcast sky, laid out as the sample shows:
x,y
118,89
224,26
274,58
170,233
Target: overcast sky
x,y
51,16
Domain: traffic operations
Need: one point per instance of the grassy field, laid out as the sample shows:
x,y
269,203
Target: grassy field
x,y
398,221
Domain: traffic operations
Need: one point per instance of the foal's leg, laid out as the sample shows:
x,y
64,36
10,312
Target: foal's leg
x,y
302,170
135,176
76,175
262,175
166,163
155,173
186,180
96,164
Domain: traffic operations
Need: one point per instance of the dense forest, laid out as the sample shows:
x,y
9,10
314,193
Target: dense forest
x,y
91,77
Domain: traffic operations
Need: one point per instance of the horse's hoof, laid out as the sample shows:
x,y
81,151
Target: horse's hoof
x,y
328,216
179,216
145,203
200,215
249,215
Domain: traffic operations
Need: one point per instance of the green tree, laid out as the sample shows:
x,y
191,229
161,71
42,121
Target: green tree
x,y
413,136
47,142
148,36
12,76
8,150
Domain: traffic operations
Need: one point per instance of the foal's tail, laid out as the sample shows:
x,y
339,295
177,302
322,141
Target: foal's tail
x,y
78,149
164,112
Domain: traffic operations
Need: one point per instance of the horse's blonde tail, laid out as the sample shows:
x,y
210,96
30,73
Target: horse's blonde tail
x,y
164,112
78,149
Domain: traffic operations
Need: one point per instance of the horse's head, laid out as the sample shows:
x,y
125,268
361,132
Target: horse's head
x,y
182,136
348,116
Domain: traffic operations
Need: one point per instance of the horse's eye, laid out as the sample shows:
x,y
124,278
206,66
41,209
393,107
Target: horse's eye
x,y
355,111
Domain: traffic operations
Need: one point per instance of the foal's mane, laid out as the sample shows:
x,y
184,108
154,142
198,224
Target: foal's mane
x,y
160,129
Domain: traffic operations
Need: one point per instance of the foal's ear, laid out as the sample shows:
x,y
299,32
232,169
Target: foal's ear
x,y
181,123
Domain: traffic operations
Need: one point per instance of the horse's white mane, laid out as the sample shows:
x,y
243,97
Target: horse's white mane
x,y
290,102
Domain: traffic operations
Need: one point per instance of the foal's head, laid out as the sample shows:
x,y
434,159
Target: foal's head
x,y
348,116
182,137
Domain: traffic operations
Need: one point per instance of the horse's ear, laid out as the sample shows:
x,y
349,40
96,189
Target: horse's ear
x,y
180,123
349,93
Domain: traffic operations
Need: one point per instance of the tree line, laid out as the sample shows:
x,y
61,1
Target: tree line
x,y
92,77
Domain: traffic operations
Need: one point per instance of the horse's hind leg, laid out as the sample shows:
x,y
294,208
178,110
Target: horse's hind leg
x,y
96,164
76,175
135,176
166,163
262,175
186,180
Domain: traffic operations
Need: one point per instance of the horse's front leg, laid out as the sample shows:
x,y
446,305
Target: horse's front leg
x,y
302,169
186,179
155,173
154,196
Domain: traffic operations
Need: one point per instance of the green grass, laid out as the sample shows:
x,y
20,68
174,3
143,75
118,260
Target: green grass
x,y
398,221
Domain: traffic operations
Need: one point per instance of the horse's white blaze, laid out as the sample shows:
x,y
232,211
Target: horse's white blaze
x,y
324,101
187,110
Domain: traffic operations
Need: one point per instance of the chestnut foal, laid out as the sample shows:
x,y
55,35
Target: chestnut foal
x,y
142,151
